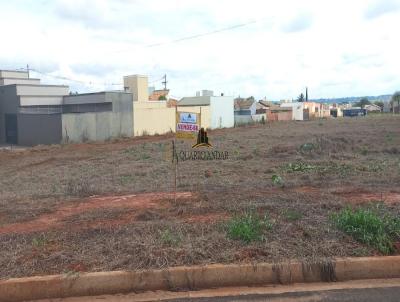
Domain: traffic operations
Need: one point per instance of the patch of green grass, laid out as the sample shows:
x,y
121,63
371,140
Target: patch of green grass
x,y
367,226
39,241
341,169
169,237
376,166
248,227
299,167
292,215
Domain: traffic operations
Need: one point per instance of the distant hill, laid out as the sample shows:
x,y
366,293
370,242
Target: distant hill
x,y
352,99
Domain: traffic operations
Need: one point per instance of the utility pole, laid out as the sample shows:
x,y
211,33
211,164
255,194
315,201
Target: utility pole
x,y
306,94
165,81
27,69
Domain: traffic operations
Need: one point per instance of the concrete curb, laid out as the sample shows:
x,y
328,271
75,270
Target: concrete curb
x,y
198,277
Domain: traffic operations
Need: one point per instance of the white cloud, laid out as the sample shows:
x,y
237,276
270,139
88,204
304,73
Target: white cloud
x,y
299,23
382,7
336,48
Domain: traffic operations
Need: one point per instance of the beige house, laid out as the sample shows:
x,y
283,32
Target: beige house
x,y
216,111
149,116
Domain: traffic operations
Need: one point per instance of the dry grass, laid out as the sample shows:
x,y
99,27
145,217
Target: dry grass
x,y
352,155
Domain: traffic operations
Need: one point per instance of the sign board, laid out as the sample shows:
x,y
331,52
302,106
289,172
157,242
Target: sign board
x,y
187,125
187,117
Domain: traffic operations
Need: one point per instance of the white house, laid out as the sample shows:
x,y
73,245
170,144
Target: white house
x,y
297,110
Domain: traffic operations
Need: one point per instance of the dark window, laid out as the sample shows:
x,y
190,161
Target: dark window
x,y
50,109
82,108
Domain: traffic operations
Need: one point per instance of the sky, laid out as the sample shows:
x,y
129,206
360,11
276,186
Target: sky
x,y
272,49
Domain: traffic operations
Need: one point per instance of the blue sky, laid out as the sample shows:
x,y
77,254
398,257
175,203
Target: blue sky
x,y
336,48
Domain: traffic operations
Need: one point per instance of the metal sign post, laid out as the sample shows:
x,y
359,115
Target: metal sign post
x,y
187,126
174,158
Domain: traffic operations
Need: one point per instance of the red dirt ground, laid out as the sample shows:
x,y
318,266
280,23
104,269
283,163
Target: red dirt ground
x,y
358,196
207,218
138,202
355,195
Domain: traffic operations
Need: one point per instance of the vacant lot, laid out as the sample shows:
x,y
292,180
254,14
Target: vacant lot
x,y
110,206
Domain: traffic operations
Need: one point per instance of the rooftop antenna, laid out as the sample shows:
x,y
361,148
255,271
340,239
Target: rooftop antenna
x,y
165,82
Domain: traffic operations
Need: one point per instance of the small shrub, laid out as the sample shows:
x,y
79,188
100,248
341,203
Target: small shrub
x,y
39,241
277,180
248,227
307,147
366,226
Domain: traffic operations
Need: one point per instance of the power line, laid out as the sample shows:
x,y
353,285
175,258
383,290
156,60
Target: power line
x,y
196,36
74,80
83,82
203,34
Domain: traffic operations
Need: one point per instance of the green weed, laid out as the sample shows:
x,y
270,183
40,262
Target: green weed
x,y
307,147
299,167
169,238
39,241
277,180
248,227
366,226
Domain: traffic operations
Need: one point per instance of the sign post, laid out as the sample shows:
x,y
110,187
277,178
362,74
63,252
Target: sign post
x,y
187,126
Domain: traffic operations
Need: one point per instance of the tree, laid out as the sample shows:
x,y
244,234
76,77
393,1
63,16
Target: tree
x,y
162,98
362,102
395,101
300,98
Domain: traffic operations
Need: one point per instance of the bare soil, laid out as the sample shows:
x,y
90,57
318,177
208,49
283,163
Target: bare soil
x,y
110,206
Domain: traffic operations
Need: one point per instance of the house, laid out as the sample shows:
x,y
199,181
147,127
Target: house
x,y
248,111
149,116
32,113
336,110
303,111
245,106
372,108
263,106
216,111
159,95
299,113
29,111
277,113
97,116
